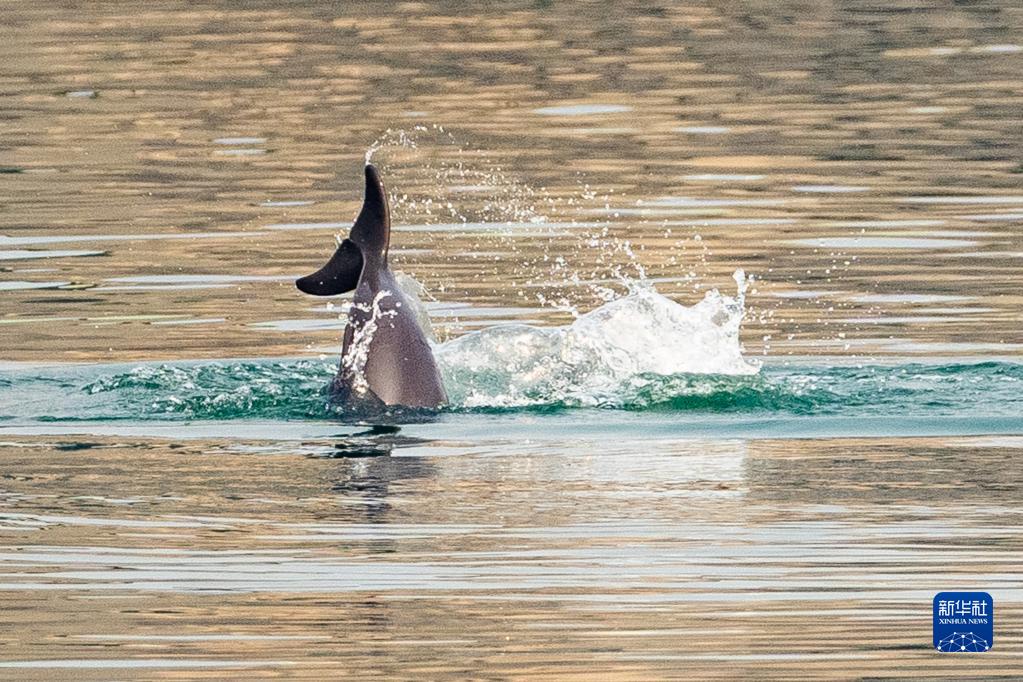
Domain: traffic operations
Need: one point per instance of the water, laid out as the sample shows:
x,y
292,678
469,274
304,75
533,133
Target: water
x,y
287,400
652,463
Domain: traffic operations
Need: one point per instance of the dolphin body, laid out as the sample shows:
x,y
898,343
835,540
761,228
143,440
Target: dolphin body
x,y
385,359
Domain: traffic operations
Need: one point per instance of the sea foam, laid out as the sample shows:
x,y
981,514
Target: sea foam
x,y
606,357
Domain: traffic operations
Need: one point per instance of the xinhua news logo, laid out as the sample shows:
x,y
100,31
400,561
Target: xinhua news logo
x,y
964,622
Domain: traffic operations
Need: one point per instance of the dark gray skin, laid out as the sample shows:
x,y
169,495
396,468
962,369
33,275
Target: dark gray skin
x,y
399,369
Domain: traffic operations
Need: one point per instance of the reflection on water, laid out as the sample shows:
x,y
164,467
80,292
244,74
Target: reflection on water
x,y
754,127
168,168
580,558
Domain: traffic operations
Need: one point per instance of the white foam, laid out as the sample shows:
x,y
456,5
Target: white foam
x,y
605,357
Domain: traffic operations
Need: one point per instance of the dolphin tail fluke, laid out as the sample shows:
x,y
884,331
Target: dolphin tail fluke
x,y
339,275
366,245
372,229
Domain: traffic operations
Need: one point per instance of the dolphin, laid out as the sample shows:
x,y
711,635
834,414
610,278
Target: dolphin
x,y
385,358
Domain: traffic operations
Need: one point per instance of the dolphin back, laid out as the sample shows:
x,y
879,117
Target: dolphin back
x,y
399,365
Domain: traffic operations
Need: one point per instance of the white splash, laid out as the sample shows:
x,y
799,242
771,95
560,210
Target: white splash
x,y
353,363
502,198
604,358
404,139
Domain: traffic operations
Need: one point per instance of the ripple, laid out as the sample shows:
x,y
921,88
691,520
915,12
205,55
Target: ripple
x,y
300,325
866,224
205,637
163,287
582,109
714,222
139,663
513,227
239,140
333,225
197,320
287,204
240,152
603,130
22,285
830,189
907,319
198,279
965,199
75,238
805,294
21,254
723,177
703,130
993,216
909,298
699,202
854,243
1006,48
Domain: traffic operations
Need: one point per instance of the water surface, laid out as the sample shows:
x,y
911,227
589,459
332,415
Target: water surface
x,y
628,494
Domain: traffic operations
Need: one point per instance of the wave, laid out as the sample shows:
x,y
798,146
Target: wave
x,y
626,352
641,352
296,390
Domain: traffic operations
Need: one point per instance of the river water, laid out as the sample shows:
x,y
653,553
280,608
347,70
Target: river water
x,y
726,297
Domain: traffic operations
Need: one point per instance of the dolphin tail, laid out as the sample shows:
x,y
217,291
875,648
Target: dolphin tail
x,y
340,274
372,229
366,244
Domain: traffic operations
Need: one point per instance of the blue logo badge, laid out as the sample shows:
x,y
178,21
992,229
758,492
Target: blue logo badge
x,y
964,622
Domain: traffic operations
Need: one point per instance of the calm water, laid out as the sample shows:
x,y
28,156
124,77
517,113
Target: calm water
x,y
726,296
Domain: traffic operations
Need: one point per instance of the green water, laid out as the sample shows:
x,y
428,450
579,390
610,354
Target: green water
x,y
288,398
